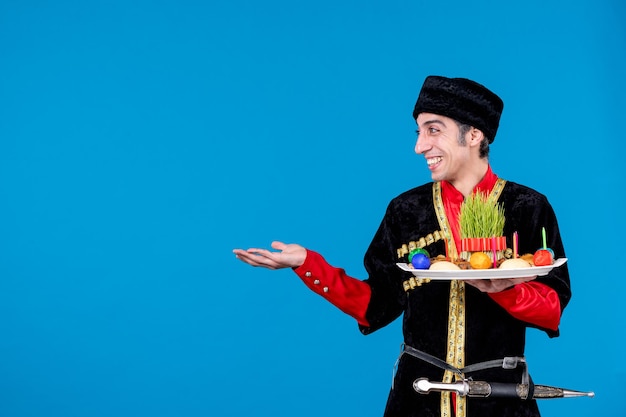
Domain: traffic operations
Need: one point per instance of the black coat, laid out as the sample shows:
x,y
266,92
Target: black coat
x,y
491,332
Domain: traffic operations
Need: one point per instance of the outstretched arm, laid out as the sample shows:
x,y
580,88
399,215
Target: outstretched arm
x,y
349,294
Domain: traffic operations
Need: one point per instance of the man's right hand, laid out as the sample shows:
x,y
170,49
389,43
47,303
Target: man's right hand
x,y
289,256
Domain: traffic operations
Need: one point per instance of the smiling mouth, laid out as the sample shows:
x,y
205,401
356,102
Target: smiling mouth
x,y
433,161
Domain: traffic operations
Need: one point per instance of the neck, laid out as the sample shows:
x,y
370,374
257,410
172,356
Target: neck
x,y
468,181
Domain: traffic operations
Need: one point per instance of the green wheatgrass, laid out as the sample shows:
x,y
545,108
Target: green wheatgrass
x,y
480,218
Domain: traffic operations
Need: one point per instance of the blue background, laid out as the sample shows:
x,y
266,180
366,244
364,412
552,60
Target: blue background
x,y
140,142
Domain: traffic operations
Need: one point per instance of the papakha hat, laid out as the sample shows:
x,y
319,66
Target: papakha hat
x,y
463,100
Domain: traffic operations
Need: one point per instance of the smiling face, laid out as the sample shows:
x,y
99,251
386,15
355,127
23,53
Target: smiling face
x,y
438,141
450,156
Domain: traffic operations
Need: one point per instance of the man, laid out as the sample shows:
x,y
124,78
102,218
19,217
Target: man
x,y
447,325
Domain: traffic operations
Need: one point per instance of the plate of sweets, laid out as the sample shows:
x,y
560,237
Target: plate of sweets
x,y
441,268
481,257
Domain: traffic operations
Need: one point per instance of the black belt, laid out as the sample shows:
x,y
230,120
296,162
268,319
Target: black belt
x,y
508,362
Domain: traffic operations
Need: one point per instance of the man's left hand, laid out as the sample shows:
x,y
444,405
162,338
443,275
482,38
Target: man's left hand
x,y
497,285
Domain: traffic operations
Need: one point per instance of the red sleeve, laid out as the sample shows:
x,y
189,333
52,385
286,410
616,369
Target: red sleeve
x,y
350,295
532,302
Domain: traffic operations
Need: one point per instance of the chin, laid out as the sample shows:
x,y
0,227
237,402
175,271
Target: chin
x,y
437,177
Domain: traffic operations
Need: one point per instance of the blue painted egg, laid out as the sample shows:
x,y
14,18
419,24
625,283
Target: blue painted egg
x,y
420,261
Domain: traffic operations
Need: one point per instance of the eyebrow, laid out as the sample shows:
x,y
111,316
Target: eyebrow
x,y
433,121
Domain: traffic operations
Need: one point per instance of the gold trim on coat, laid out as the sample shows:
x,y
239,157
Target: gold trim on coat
x,y
455,354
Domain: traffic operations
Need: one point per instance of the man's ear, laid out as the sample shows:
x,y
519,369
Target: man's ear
x,y
475,136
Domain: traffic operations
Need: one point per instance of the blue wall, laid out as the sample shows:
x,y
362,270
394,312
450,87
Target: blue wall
x,y
141,141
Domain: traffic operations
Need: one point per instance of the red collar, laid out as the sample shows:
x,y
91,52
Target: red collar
x,y
448,192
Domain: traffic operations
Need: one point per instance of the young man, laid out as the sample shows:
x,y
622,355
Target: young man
x,y
447,325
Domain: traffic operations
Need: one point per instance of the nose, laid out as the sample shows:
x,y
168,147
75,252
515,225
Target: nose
x,y
422,144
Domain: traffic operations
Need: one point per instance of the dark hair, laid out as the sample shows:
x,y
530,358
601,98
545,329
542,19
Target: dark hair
x,y
483,151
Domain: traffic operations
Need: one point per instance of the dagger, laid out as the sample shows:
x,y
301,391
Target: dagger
x,y
482,389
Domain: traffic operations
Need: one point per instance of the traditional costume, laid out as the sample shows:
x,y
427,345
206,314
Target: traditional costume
x,y
448,321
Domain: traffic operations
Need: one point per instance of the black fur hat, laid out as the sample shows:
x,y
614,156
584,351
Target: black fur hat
x,y
463,100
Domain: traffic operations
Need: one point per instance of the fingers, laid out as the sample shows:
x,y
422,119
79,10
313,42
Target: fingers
x,y
285,256
522,280
263,257
483,285
489,285
257,257
497,285
278,245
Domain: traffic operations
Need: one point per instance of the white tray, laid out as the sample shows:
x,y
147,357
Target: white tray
x,y
482,273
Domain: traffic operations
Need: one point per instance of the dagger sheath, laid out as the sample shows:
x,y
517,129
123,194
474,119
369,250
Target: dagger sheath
x,y
482,389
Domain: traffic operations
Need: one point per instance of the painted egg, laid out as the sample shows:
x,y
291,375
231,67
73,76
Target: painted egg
x,y
420,261
543,257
